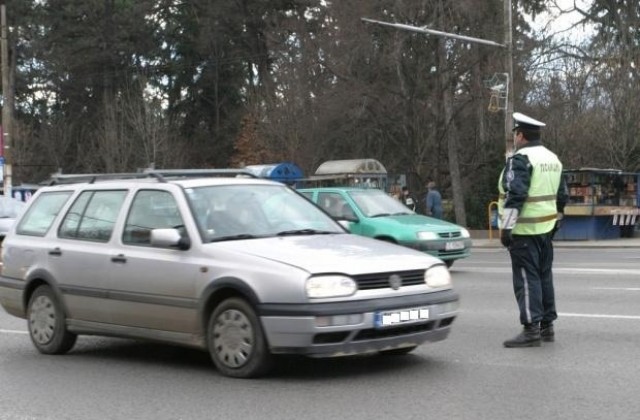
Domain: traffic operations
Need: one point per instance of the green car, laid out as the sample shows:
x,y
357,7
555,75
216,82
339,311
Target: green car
x,y
373,213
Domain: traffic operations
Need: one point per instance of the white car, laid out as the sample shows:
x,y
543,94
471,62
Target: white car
x,y
10,209
242,268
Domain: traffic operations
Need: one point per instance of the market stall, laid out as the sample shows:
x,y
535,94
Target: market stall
x,y
603,204
363,173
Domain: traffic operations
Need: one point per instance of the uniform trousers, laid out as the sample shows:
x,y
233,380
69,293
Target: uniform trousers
x,y
531,261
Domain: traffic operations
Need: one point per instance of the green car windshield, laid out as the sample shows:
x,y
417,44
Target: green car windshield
x,y
376,203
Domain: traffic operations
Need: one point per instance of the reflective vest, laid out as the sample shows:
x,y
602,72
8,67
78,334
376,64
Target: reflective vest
x,y
539,213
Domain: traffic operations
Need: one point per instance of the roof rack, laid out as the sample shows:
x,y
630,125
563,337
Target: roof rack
x,y
58,178
160,174
201,173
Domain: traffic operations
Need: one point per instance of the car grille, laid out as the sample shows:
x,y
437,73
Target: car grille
x,y
451,253
381,333
381,280
373,334
449,235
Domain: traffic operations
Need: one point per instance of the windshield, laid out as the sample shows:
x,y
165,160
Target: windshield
x,y
376,203
226,212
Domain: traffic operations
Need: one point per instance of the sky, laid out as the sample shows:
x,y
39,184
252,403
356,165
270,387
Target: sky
x,y
558,20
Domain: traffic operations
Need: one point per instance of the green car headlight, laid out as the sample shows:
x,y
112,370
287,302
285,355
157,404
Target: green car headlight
x,y
427,236
465,233
330,286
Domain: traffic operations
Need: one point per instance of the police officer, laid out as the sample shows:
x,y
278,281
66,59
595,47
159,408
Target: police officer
x,y
532,199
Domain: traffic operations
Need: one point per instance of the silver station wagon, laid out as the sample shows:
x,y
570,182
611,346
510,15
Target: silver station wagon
x,y
242,268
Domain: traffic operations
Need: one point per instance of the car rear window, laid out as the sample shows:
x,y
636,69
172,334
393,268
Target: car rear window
x,y
41,214
93,216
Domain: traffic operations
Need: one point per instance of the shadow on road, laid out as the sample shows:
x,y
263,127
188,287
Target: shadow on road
x,y
286,367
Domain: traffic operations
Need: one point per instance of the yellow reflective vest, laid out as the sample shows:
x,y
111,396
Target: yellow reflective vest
x,y
539,212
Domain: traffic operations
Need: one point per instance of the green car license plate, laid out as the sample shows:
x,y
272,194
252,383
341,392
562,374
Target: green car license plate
x,y
453,246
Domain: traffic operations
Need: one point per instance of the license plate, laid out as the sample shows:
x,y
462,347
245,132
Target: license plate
x,y
402,316
453,246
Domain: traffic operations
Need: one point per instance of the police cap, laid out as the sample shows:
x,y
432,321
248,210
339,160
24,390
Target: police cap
x,y
526,123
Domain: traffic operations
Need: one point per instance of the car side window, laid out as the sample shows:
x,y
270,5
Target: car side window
x,y
41,214
93,216
333,203
151,209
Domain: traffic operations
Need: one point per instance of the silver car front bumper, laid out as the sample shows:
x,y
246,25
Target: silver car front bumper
x,y
355,328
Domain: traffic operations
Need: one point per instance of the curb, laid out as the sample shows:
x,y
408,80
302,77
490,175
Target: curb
x,y
631,243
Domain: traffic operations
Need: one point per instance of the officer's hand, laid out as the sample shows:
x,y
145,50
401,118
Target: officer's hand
x,y
506,238
557,226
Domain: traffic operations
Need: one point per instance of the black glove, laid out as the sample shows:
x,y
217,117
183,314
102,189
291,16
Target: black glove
x,y
555,229
506,238
557,226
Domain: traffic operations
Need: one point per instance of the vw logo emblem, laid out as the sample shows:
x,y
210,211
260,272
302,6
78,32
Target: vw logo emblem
x,y
395,281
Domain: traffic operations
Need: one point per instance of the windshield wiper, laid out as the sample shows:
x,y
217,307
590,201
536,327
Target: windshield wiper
x,y
380,215
303,232
234,237
402,213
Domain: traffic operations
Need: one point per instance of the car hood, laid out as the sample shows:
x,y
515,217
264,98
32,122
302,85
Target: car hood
x,y
342,253
416,222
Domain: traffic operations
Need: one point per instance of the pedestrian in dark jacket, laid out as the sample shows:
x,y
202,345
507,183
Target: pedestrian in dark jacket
x,y
433,201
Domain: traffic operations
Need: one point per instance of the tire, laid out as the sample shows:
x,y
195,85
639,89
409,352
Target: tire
x,y
398,352
236,341
387,239
48,323
449,263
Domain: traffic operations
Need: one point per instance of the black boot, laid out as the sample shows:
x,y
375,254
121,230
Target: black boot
x,y
546,332
529,337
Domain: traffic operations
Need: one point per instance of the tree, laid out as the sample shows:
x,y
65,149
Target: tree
x,y
248,149
122,84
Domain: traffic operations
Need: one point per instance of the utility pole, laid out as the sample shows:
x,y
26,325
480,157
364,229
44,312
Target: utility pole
x,y
456,186
508,60
508,64
7,104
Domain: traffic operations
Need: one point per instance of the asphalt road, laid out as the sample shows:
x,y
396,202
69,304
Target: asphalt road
x,y
590,372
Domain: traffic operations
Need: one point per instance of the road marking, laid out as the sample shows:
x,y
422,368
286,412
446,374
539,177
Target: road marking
x,y
556,270
626,289
596,270
13,332
599,316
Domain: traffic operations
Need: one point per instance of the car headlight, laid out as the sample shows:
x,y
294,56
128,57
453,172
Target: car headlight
x,y
330,286
427,236
465,233
437,276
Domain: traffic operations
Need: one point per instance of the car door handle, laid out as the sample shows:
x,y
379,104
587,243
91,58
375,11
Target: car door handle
x,y
56,252
120,258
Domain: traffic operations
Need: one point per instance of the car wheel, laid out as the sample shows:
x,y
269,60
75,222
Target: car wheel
x,y
398,352
47,323
387,239
449,263
236,341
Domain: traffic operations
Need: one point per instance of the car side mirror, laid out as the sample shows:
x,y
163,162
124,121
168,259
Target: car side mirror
x,y
349,218
169,238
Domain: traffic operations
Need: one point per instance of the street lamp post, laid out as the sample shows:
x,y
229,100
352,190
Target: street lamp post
x,y
508,60
7,103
